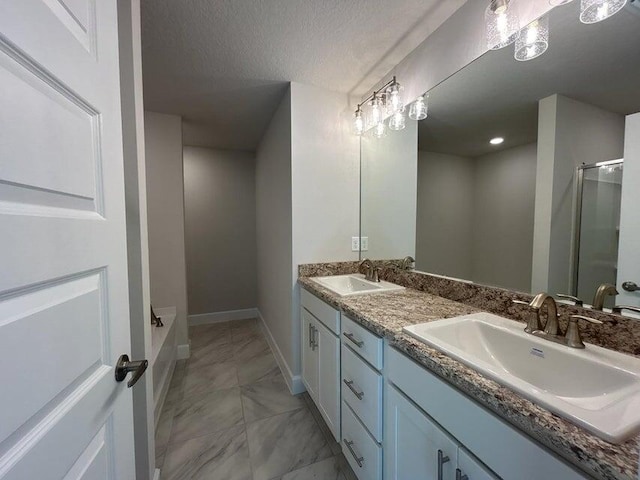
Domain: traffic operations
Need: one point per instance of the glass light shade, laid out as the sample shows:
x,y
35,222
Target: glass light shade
x,y
501,23
593,11
358,122
375,116
395,102
380,130
533,40
397,121
418,109
557,3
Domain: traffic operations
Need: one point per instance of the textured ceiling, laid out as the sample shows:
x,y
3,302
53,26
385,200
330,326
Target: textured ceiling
x,y
224,65
498,96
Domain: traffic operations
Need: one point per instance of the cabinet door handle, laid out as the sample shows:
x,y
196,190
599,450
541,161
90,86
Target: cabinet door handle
x,y
442,459
460,476
315,338
358,343
349,383
310,336
359,460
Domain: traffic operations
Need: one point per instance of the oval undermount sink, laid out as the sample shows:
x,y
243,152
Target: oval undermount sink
x,y
354,284
596,388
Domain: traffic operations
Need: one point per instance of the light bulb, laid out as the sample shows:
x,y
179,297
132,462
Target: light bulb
x,y
358,122
395,103
419,109
397,121
501,23
593,11
380,130
533,40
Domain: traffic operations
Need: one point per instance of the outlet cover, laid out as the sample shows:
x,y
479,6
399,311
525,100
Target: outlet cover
x,y
355,244
364,243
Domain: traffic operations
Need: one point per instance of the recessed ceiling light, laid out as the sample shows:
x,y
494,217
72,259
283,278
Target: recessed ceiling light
x,y
496,141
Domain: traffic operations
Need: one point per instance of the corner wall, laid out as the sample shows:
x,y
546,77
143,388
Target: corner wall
x,y
165,214
274,237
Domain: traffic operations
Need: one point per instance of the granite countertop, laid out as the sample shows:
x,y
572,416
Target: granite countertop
x,y
386,313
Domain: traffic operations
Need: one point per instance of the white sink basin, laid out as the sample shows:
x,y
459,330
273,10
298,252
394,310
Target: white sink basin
x,y
596,388
354,284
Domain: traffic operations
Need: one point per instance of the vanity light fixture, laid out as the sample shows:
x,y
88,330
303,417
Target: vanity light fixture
x,y
533,40
593,11
420,108
387,100
501,23
496,141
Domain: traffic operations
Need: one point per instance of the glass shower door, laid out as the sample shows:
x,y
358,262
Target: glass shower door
x,y
598,227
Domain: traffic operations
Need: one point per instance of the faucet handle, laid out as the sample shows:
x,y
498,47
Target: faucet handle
x,y
576,301
573,337
520,302
533,324
618,309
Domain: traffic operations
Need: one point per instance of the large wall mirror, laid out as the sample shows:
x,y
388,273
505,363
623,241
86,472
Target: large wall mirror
x,y
524,174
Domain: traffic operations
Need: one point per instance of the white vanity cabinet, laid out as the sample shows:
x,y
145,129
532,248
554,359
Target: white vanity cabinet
x,y
321,357
420,407
416,447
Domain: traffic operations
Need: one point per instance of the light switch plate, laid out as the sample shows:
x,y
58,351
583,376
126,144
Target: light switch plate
x,y
355,244
364,243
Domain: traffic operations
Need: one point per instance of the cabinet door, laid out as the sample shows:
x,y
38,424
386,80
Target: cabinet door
x,y
472,468
412,442
329,377
309,355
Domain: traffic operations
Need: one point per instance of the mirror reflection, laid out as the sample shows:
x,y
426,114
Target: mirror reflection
x,y
517,177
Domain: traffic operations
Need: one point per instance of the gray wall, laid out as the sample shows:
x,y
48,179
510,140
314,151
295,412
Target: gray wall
x,y
444,214
274,232
503,217
165,214
475,216
220,229
569,133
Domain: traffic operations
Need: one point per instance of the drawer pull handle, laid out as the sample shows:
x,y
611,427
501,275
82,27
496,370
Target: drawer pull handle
x,y
442,459
460,476
359,460
349,383
358,343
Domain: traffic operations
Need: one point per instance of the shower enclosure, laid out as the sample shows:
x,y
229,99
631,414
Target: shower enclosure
x,y
597,227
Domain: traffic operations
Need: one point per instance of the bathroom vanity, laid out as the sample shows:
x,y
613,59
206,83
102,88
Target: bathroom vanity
x,y
401,408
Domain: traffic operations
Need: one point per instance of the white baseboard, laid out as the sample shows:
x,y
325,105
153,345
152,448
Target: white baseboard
x,y
183,352
294,382
156,474
217,317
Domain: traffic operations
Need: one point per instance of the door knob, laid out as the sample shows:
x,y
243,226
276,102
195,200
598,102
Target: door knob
x,y
124,366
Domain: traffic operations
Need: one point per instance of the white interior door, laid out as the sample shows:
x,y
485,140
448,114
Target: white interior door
x,y
629,246
64,317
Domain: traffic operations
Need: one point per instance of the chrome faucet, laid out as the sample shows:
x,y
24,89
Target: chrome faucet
x,y
406,262
371,272
602,291
551,327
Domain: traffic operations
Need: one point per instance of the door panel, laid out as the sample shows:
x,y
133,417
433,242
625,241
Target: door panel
x,y
309,355
64,314
412,441
329,377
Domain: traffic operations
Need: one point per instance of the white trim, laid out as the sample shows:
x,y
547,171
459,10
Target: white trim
x,y
294,382
217,317
183,351
156,474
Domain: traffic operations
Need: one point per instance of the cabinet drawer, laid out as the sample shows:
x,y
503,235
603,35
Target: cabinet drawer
x,y
363,342
362,391
362,452
329,316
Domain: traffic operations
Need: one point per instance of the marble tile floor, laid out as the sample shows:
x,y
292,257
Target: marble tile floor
x,y
229,415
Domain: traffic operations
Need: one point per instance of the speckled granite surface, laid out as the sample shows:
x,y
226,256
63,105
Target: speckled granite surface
x,y
386,314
